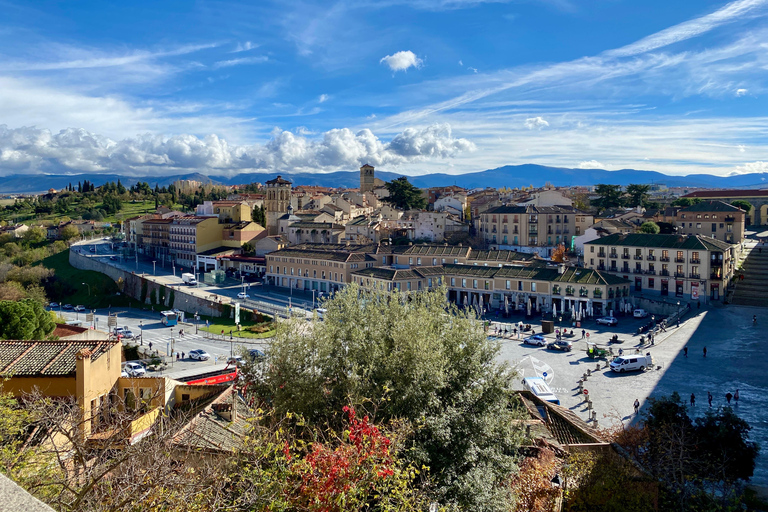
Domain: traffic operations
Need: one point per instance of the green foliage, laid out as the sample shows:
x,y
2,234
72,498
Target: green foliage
x,y
143,296
171,299
650,227
402,194
25,319
69,232
685,201
34,235
260,215
111,204
248,248
425,362
611,196
744,205
637,195
153,297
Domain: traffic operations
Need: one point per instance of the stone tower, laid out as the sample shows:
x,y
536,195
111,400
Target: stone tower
x,y
367,180
277,202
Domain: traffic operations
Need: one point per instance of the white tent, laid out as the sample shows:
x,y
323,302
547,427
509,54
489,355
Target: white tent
x,y
481,304
554,309
506,305
529,308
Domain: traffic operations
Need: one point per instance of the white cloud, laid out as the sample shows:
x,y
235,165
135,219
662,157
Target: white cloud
x,y
751,167
742,148
30,150
461,63
244,47
474,70
323,98
535,123
401,61
741,92
241,61
591,164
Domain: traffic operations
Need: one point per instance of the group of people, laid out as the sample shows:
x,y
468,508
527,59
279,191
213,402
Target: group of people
x,y
728,398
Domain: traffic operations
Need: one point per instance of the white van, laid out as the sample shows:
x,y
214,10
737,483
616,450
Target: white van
x,y
640,313
540,388
630,363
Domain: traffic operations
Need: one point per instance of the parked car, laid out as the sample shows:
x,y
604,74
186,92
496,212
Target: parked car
x,y
607,320
134,370
199,354
119,331
256,354
640,313
564,345
67,307
236,361
127,333
80,308
53,305
536,339
243,295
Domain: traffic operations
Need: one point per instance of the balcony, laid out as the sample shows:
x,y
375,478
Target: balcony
x,y
651,257
614,269
679,260
651,272
664,258
695,276
730,218
601,267
614,255
638,257
625,256
664,273
695,261
679,274
601,255
597,293
625,269
714,276
637,271
555,290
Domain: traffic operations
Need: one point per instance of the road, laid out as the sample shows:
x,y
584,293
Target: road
x,y
736,355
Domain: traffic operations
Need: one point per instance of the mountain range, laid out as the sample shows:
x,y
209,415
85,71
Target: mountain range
x,y
507,176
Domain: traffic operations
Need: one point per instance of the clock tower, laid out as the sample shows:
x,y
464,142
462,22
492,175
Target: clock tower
x,y
367,180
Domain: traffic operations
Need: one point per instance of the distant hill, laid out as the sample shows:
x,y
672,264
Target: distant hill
x,y
509,176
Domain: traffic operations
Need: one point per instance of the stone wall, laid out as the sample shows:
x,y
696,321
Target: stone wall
x,y
189,300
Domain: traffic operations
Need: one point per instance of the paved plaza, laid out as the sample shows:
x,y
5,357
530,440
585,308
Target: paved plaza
x,y
737,357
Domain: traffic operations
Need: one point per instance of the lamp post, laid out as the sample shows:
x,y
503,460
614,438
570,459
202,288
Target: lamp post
x,y
197,319
678,313
141,332
89,288
173,265
313,299
172,347
153,267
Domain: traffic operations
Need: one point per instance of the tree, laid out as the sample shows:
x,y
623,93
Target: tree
x,y
611,196
650,227
425,362
558,254
34,235
25,319
685,201
111,204
637,195
247,248
403,195
744,205
120,188
69,232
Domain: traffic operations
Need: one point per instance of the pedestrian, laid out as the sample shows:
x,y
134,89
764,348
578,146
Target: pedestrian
x,y
583,334
709,398
754,319
705,351
182,355
698,305
150,346
693,400
728,397
637,405
736,397
685,350
177,356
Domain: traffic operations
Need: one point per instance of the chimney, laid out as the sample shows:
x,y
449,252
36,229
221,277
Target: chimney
x,y
561,269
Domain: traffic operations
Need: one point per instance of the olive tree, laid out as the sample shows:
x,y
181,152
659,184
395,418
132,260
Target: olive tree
x,y
419,359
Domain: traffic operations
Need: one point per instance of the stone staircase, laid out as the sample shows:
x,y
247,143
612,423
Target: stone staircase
x,y
753,290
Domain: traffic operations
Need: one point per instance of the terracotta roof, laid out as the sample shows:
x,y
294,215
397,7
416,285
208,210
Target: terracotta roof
x,y
64,330
47,358
278,181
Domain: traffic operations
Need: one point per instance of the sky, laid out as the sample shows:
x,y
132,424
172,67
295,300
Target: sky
x,y
410,86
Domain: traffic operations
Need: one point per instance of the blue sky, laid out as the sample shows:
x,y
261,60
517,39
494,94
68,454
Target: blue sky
x,y
414,86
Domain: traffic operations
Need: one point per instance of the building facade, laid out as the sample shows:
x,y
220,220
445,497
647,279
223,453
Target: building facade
x,y
714,219
278,198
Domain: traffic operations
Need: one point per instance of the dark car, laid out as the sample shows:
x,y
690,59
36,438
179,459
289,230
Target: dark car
x,y
563,345
67,307
256,354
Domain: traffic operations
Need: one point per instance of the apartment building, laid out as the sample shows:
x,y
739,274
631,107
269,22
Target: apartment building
x,y
714,219
531,228
691,267
538,288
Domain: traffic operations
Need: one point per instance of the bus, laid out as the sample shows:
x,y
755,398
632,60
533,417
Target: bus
x,y
540,388
170,318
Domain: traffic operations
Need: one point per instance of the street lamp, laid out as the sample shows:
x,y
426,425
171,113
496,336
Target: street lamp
x,y
678,313
173,265
153,267
141,332
89,288
197,319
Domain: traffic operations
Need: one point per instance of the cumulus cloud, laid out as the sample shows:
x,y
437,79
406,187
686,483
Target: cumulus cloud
x,y
591,164
750,167
401,61
30,150
536,123
741,92
742,148
323,98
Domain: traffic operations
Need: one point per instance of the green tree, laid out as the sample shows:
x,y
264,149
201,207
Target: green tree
x,y
120,188
69,232
247,248
111,204
611,196
25,319
744,205
725,452
402,194
650,227
424,361
637,195
34,235
685,201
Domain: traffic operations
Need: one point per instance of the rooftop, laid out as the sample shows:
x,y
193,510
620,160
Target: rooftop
x,y
661,241
712,206
47,358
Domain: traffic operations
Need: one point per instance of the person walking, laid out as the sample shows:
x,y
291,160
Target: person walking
x,y
705,351
728,397
709,398
693,400
150,346
182,355
583,334
736,397
637,405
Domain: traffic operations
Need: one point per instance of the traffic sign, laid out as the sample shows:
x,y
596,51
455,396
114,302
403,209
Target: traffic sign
x,y
586,392
544,374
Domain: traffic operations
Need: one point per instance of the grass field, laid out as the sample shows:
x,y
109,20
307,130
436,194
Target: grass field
x,y
103,290
216,325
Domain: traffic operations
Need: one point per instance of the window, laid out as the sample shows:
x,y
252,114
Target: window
x,y
533,287
453,281
418,261
455,261
520,285
509,284
698,225
463,283
434,261
474,283
651,283
410,261
592,248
